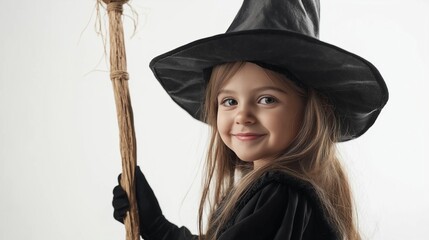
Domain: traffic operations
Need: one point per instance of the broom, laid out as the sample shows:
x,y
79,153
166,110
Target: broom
x,y
119,78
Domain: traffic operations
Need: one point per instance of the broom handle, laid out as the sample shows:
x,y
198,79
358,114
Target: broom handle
x,y
119,77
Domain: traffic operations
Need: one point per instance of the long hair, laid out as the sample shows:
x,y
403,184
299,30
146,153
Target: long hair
x,y
311,157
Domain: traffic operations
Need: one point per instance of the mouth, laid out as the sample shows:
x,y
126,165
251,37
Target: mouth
x,y
247,136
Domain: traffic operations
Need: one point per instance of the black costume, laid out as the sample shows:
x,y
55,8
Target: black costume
x,y
276,207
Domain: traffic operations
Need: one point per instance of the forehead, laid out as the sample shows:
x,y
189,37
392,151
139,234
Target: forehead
x,y
251,75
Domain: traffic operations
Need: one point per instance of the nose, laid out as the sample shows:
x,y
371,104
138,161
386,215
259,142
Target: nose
x,y
245,116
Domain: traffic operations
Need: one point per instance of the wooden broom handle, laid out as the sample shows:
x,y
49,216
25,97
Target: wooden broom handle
x,y
119,77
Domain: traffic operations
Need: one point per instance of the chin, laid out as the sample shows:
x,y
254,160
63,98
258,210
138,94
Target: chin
x,y
248,158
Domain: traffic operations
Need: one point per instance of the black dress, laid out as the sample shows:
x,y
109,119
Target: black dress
x,y
277,207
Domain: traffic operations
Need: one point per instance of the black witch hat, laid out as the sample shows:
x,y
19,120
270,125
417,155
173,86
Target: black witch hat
x,y
282,34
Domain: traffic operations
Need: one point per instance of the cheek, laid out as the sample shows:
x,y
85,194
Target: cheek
x,y
295,124
299,115
285,125
222,125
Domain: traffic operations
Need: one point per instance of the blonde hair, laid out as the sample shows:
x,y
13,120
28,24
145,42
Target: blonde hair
x,y
311,157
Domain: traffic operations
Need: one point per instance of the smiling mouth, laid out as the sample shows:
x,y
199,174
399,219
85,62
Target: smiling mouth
x,y
247,136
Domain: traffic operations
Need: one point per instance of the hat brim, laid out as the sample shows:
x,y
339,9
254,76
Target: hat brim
x,y
353,85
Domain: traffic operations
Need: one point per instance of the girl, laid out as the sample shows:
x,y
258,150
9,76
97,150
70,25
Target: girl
x,y
277,100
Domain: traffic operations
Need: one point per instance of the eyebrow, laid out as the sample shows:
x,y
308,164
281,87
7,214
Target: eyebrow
x,y
277,89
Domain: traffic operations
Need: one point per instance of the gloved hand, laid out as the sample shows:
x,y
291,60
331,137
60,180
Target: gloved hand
x,y
148,206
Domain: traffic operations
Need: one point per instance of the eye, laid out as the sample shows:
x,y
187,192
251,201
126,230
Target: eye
x,y
227,102
267,100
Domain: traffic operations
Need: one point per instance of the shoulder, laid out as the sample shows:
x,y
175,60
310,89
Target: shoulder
x,y
281,185
285,203
284,185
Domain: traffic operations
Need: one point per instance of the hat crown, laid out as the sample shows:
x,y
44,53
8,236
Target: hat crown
x,y
301,16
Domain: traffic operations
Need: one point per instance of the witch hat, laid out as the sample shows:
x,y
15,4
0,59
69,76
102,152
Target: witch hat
x,y
282,34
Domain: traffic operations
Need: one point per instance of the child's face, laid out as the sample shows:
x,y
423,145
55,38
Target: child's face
x,y
258,116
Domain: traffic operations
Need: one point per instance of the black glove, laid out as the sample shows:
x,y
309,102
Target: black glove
x,y
148,207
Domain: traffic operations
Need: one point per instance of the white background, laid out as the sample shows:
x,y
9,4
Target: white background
x,y
59,151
